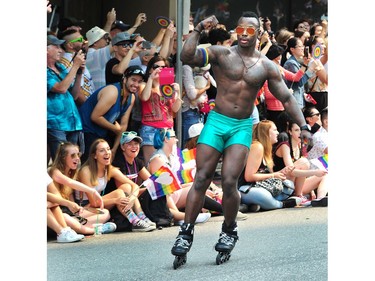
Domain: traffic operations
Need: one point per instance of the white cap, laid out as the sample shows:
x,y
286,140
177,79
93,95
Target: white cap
x,y
195,130
94,34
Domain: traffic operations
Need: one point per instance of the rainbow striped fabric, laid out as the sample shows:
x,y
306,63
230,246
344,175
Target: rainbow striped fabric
x,y
186,155
324,160
186,176
161,183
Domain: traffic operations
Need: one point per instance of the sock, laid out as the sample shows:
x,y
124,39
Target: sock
x,y
232,229
132,217
141,215
187,229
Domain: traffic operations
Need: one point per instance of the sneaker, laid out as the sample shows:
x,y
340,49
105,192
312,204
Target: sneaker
x,y
241,216
203,217
304,201
323,202
243,208
68,235
150,222
109,227
142,226
253,208
292,202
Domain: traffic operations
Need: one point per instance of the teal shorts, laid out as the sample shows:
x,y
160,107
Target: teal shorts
x,y
221,131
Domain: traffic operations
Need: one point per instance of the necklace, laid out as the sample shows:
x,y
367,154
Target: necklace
x,y
244,64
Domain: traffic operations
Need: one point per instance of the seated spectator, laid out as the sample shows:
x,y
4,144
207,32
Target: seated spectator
x,y
133,167
165,143
63,172
289,151
106,112
312,117
56,220
259,168
320,138
96,172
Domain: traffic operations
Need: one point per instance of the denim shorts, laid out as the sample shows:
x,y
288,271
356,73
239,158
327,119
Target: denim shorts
x,y
147,134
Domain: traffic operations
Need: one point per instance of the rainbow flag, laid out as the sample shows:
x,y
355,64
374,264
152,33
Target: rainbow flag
x,y
161,183
187,155
324,160
186,176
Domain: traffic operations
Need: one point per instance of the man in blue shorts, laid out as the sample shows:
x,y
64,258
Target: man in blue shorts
x,y
240,72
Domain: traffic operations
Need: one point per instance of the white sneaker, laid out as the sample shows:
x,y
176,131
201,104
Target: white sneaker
x,y
203,217
150,222
68,235
142,226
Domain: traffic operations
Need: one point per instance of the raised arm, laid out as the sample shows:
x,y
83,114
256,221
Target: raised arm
x,y
190,54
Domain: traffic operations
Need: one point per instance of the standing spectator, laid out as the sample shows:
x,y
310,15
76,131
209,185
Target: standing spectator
x,y
317,85
157,110
192,94
274,106
106,112
63,120
124,47
293,64
98,54
74,42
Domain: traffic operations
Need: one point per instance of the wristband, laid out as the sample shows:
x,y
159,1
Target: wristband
x,y
304,65
196,30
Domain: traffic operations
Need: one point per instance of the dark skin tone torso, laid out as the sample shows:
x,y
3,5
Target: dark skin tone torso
x,y
238,82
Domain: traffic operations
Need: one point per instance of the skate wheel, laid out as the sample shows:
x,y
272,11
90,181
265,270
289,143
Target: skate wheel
x,y
179,261
222,257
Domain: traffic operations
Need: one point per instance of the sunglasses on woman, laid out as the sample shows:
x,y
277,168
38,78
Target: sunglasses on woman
x,y
155,66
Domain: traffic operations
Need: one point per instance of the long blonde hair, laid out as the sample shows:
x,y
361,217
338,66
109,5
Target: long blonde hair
x,y
261,134
92,165
60,164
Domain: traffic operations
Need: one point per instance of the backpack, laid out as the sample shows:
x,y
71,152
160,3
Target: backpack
x,y
156,210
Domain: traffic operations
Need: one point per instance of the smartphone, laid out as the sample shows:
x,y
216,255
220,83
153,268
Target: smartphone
x,y
306,52
244,188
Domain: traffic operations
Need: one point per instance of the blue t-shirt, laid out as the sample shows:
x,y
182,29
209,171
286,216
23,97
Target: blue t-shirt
x,y
62,112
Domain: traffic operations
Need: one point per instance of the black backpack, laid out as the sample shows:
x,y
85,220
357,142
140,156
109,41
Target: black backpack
x,y
156,210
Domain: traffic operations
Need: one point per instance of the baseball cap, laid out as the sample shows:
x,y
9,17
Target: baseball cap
x,y
94,34
120,37
134,70
129,136
195,130
53,40
120,25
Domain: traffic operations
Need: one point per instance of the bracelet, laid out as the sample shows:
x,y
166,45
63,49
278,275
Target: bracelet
x,y
196,30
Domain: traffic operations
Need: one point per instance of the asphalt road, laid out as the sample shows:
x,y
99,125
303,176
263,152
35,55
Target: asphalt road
x,y
286,244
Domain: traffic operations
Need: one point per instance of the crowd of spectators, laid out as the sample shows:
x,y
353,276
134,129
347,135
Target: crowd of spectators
x,y
107,95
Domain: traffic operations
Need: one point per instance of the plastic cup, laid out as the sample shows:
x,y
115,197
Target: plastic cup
x,y
98,229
